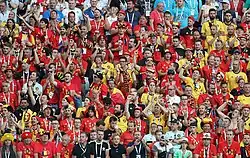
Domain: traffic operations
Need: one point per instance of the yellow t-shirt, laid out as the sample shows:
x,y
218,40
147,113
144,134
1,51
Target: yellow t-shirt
x,y
232,78
159,121
235,26
108,70
122,123
197,89
243,99
181,62
146,98
206,28
80,111
246,126
203,58
212,47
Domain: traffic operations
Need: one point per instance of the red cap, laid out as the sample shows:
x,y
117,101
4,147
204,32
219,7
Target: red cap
x,y
191,17
26,135
138,108
122,12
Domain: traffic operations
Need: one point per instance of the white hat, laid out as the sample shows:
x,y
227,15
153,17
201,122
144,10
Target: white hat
x,y
206,136
225,1
184,139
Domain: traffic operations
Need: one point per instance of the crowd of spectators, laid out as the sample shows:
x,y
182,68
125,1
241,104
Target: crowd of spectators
x,y
124,79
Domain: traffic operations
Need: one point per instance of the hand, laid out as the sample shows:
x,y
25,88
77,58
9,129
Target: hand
x,y
30,83
72,93
137,142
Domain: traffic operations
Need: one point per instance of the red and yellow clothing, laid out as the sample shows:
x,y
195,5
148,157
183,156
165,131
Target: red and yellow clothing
x,y
201,150
88,124
66,125
9,98
126,138
26,150
157,17
229,151
65,151
97,26
47,150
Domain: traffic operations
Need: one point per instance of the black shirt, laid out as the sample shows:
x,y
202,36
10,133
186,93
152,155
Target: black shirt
x,y
95,149
117,152
141,152
108,133
81,152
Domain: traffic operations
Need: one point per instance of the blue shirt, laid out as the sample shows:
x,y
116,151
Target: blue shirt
x,y
133,17
168,4
46,15
181,15
90,13
195,6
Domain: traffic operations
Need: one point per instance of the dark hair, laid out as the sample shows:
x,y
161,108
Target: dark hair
x,y
212,10
68,73
122,107
71,13
46,21
91,108
176,37
113,119
100,122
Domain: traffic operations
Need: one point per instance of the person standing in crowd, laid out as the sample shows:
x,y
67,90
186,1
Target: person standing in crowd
x,y
99,148
7,149
81,149
116,149
137,147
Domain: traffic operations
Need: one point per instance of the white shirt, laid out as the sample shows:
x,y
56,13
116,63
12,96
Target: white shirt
x,y
78,15
4,16
37,88
149,138
158,148
173,99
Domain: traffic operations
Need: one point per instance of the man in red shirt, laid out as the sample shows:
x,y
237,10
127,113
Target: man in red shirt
x,y
67,87
205,149
120,43
26,147
45,149
128,136
65,148
157,16
67,124
229,148
121,21
8,97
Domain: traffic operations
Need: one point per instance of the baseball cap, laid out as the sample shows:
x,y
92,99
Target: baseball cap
x,y
206,136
